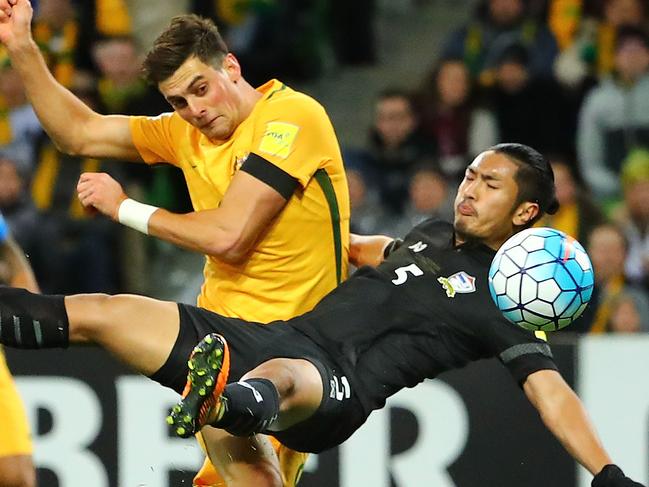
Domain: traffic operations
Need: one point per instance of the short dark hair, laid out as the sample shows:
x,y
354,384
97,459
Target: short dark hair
x,y
535,178
629,33
394,92
187,36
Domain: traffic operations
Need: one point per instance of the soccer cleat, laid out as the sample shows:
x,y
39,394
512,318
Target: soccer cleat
x,y
209,365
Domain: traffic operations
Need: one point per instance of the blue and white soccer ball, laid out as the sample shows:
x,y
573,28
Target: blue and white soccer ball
x,y
541,279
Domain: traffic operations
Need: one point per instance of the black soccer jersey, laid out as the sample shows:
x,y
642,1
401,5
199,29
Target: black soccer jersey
x,y
425,310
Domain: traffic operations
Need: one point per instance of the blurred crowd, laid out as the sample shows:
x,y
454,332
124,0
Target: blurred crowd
x,y
568,77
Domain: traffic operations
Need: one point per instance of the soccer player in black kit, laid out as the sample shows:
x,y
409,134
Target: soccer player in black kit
x,y
414,309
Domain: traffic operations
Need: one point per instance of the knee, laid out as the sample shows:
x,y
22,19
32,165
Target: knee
x,y
281,372
90,315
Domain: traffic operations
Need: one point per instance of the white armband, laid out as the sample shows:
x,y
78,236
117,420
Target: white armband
x,y
135,215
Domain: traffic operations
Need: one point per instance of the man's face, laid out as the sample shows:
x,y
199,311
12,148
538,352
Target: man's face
x,y
624,12
427,191
117,60
394,120
512,77
484,205
636,197
607,253
206,97
453,83
632,59
505,12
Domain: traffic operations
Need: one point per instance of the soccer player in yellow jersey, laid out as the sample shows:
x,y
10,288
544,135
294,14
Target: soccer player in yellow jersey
x,y
265,176
16,466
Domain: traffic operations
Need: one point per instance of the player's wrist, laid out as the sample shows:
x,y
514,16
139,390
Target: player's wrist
x,y
135,215
22,47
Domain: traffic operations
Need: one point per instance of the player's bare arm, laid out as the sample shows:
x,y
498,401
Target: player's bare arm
x,y
369,249
72,125
228,232
564,415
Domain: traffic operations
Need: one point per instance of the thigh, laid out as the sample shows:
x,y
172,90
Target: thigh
x,y
339,415
138,330
245,340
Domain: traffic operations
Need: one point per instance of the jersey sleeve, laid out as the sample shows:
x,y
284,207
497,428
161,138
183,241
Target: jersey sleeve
x,y
295,135
523,352
153,137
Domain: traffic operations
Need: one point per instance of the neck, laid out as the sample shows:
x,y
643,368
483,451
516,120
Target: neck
x,y
250,97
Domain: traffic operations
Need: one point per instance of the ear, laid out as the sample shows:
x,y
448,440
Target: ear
x,y
525,212
232,67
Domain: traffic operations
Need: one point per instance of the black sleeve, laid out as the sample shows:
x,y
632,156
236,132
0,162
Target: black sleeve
x,y
269,173
526,358
520,350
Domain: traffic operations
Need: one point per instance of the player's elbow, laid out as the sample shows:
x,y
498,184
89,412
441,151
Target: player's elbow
x,y
230,248
68,146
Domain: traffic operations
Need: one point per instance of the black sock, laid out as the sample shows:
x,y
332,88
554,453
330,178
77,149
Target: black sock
x,y
30,320
250,407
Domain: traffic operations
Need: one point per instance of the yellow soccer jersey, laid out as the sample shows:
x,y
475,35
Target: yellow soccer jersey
x,y
14,434
304,253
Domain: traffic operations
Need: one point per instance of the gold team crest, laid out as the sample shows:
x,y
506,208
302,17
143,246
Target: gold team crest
x,y
278,139
458,283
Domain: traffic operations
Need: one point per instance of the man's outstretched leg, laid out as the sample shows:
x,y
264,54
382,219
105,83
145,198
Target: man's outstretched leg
x,y
272,397
140,331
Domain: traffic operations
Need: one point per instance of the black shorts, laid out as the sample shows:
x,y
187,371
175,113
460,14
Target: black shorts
x,y
251,344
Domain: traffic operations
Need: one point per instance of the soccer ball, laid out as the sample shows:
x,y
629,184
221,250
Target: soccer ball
x,y
541,279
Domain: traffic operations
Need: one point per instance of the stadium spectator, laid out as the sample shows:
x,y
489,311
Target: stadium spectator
x,y
627,314
121,87
615,116
564,19
429,196
112,18
19,127
496,25
607,247
367,213
528,110
450,115
633,215
590,54
578,214
63,31
396,145
18,208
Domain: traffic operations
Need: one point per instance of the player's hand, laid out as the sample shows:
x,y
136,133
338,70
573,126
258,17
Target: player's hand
x,y
612,476
15,23
102,192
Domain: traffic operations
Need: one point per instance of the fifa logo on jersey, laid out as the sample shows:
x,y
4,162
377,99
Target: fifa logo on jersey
x,y
458,283
339,389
